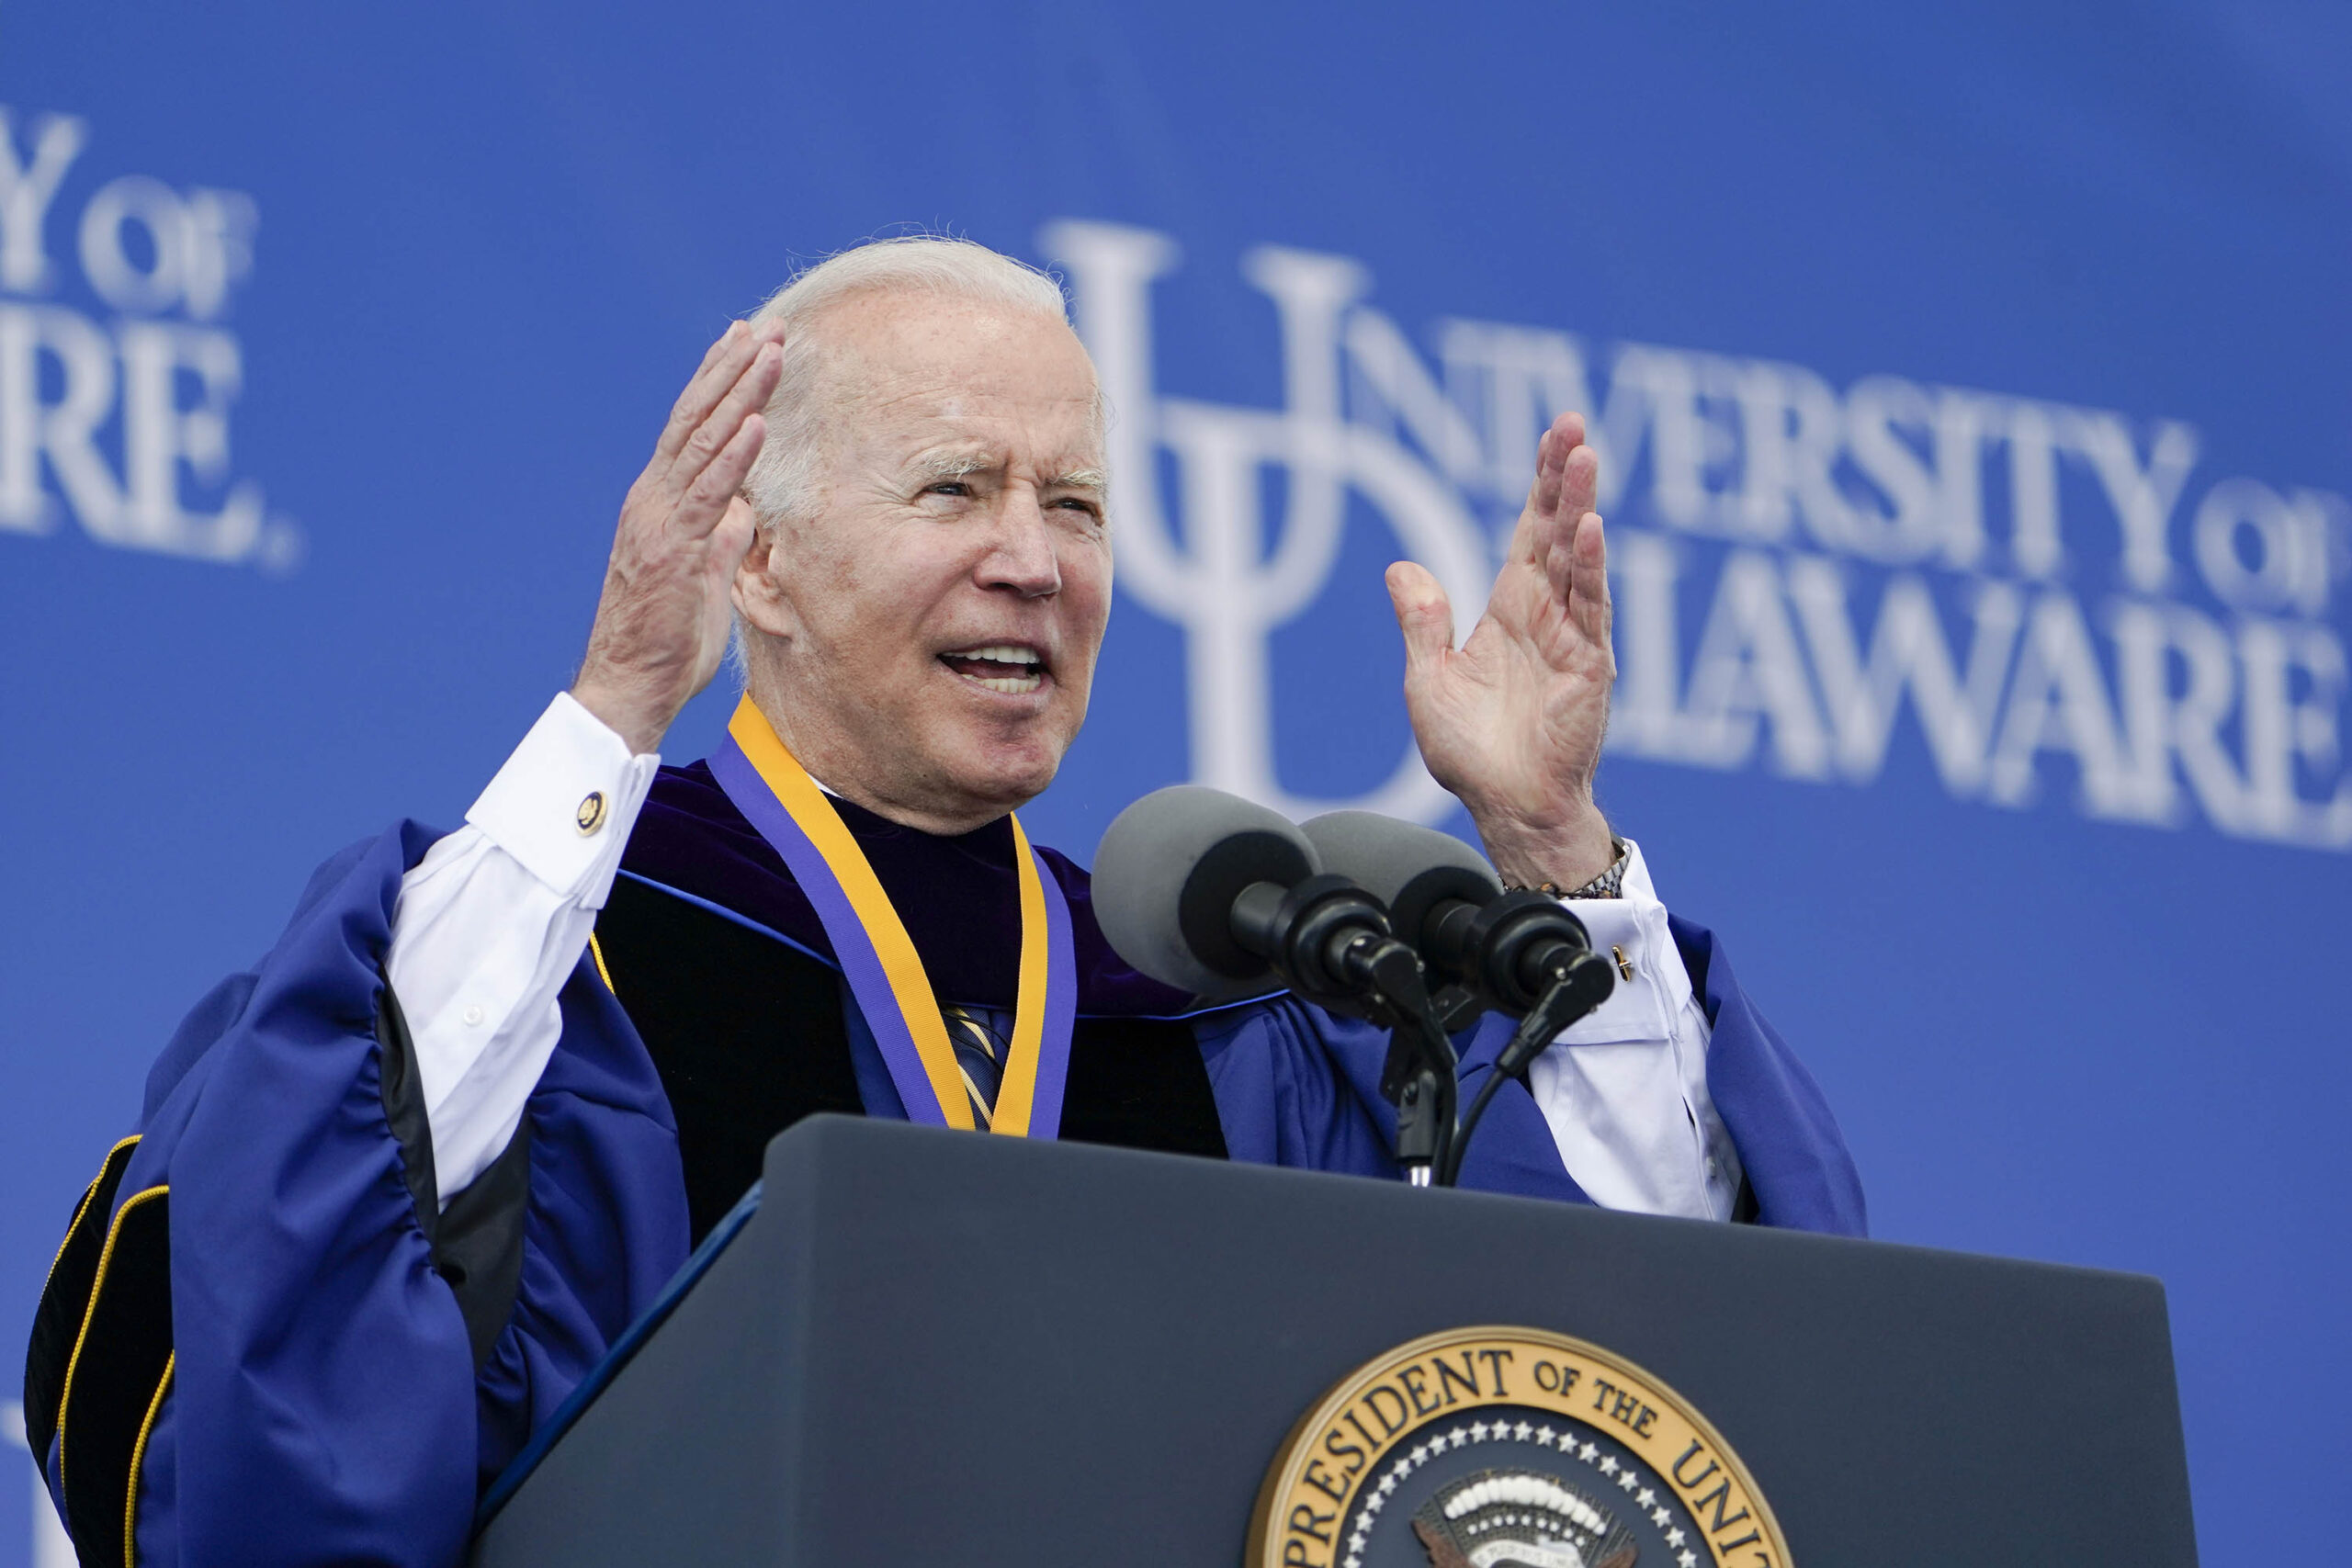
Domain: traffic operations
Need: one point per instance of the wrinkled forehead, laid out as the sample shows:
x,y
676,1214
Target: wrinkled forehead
x,y
927,377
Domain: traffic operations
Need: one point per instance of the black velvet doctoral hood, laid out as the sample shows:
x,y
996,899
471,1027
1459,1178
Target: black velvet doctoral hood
x,y
957,897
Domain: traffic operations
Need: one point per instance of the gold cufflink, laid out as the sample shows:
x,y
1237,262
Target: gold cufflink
x,y
1624,964
591,814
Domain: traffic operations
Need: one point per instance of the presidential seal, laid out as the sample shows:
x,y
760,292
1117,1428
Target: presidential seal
x,y
1507,1447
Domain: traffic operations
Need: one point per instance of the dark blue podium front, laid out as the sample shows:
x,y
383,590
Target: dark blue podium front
x,y
938,1347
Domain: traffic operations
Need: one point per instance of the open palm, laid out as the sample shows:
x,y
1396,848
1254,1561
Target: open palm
x,y
1512,721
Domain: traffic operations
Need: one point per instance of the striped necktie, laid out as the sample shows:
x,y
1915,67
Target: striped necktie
x,y
980,1057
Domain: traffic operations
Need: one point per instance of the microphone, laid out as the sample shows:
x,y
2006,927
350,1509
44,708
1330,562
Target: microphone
x,y
1217,896
1508,949
1517,953
1170,871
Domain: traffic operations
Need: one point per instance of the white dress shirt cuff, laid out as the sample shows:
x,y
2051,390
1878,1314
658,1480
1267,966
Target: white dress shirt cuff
x,y
564,803
1630,931
1624,1089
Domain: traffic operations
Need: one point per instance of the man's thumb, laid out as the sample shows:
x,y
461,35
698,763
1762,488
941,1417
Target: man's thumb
x,y
1423,615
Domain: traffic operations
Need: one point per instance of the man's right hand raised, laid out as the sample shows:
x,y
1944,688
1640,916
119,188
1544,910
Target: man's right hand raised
x,y
662,621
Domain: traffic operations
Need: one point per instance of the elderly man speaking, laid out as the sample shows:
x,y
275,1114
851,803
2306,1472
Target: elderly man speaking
x,y
398,1188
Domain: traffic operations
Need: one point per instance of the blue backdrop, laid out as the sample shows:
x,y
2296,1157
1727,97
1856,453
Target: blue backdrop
x,y
1971,383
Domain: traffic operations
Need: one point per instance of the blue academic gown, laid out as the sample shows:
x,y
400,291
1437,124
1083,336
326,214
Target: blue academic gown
x,y
323,1402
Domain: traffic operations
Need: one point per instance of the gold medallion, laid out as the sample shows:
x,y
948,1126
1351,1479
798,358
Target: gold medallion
x,y
1507,1447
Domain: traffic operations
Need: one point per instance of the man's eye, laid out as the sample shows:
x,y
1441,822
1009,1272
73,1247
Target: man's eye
x,y
950,487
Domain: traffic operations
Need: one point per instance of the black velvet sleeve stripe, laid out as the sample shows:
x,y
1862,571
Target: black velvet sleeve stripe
x,y
476,1240
403,1095
65,1300
113,1384
478,1243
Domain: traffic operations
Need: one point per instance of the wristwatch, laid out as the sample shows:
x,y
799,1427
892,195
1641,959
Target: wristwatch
x,y
1610,884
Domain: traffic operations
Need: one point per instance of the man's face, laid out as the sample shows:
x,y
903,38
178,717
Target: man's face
x,y
932,629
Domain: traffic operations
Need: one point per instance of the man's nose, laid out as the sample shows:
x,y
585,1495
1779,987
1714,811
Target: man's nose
x,y
1021,555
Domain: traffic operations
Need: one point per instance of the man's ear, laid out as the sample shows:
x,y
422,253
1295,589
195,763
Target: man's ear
x,y
758,594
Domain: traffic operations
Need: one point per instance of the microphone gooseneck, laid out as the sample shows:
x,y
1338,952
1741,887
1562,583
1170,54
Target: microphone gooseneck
x,y
1519,953
1331,941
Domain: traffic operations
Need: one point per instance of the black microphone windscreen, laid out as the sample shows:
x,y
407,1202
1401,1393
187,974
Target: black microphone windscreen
x,y
1408,867
1167,873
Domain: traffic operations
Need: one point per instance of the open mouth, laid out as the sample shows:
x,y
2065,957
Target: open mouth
x,y
1000,667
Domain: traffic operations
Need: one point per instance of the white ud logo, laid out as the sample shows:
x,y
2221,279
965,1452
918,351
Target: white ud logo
x,y
2054,593
1215,578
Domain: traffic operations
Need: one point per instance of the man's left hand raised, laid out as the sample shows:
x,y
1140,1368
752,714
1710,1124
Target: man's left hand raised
x,y
1512,721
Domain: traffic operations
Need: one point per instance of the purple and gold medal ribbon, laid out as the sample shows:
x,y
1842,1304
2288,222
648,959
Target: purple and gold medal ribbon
x,y
771,788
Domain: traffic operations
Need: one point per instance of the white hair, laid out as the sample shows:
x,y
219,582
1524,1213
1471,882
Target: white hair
x,y
782,482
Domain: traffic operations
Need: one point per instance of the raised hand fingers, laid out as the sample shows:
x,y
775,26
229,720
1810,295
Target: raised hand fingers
x,y
1561,476
721,363
722,368
1576,566
1579,482
718,346
711,494
719,428
1574,476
